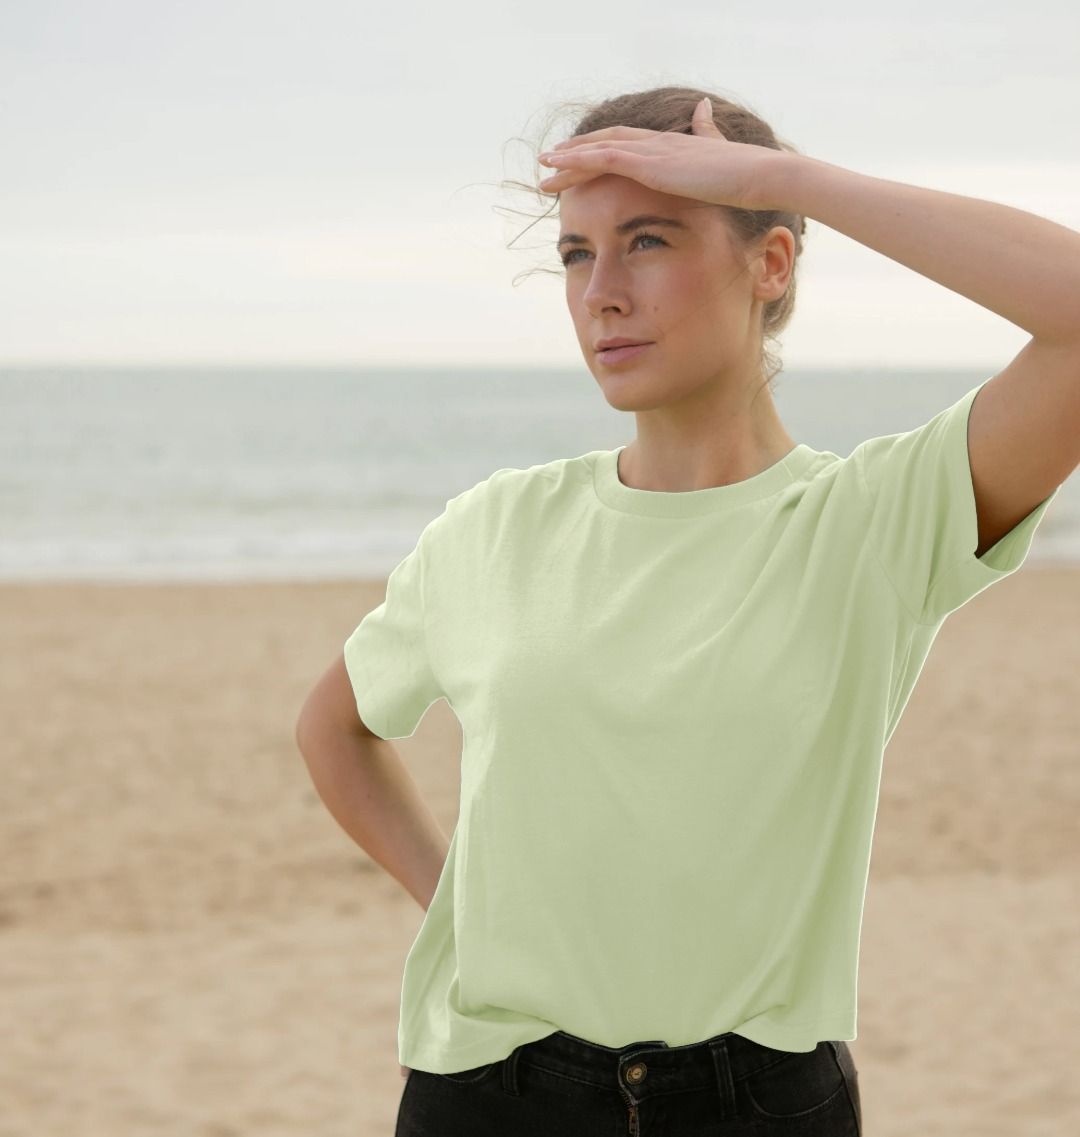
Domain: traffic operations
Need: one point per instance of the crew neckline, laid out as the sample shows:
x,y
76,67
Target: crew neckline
x,y
691,503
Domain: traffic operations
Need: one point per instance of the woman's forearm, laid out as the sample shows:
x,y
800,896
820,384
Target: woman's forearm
x,y
373,797
1023,267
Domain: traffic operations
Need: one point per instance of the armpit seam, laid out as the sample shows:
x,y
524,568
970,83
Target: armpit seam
x,y
359,665
968,491
423,618
870,540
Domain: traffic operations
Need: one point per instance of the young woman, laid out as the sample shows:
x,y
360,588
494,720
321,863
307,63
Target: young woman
x,y
677,663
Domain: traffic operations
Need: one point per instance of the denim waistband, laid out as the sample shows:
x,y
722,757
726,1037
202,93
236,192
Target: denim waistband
x,y
650,1068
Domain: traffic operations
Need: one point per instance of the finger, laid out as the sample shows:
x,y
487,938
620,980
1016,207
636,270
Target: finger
x,y
589,151
564,179
606,133
702,118
592,162
555,183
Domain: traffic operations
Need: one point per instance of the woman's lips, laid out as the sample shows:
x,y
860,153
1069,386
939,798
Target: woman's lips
x,y
618,354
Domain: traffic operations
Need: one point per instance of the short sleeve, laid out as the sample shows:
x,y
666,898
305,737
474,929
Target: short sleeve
x,y
923,524
387,655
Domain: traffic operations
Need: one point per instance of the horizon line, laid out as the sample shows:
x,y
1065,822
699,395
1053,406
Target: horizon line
x,y
453,365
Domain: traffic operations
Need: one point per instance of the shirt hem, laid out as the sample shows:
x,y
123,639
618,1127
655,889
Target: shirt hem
x,y
840,1028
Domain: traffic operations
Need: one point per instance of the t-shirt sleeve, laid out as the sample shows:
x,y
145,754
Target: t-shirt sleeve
x,y
923,524
387,655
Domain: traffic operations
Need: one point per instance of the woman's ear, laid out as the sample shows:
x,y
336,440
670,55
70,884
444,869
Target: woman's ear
x,y
775,259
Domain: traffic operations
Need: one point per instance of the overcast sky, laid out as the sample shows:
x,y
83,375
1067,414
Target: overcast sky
x,y
318,182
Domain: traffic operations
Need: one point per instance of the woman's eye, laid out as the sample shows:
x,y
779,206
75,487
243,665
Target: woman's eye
x,y
569,258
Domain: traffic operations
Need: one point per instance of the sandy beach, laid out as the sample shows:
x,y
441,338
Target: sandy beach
x,y
191,947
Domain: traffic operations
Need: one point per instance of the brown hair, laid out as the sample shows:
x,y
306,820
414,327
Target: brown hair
x,y
672,108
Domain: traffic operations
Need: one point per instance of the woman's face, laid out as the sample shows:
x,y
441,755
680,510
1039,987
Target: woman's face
x,y
682,288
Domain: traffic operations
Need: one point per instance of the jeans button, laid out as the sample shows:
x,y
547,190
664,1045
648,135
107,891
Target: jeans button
x,y
635,1073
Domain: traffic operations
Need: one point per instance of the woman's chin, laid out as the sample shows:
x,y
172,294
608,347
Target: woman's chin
x,y
631,393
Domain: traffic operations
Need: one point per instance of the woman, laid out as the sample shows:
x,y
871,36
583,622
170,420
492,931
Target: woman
x,y
677,663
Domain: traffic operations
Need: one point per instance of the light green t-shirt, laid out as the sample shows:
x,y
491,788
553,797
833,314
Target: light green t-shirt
x,y
674,708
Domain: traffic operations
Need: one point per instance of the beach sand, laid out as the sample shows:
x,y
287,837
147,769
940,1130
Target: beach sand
x,y
190,945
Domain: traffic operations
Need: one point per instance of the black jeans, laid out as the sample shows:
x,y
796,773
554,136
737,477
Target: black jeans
x,y
564,1086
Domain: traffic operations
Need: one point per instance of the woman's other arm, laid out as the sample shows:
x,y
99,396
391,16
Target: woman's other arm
x,y
368,789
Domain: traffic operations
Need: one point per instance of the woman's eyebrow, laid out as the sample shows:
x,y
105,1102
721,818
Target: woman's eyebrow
x,y
625,227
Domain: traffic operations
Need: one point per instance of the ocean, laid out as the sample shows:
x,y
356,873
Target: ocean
x,y
276,473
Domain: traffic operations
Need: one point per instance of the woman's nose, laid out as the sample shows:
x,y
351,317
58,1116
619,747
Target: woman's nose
x,y
606,289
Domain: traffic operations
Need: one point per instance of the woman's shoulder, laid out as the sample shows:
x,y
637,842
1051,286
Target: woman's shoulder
x,y
514,484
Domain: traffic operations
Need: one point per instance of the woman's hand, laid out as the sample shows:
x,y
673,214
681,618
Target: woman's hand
x,y
704,165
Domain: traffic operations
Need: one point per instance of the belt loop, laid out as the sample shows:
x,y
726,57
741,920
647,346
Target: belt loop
x,y
509,1073
725,1083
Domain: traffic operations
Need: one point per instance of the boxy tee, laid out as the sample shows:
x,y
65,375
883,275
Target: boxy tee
x,y
674,707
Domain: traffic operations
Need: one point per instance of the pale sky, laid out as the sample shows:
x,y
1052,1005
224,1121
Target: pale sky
x,y
259,182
